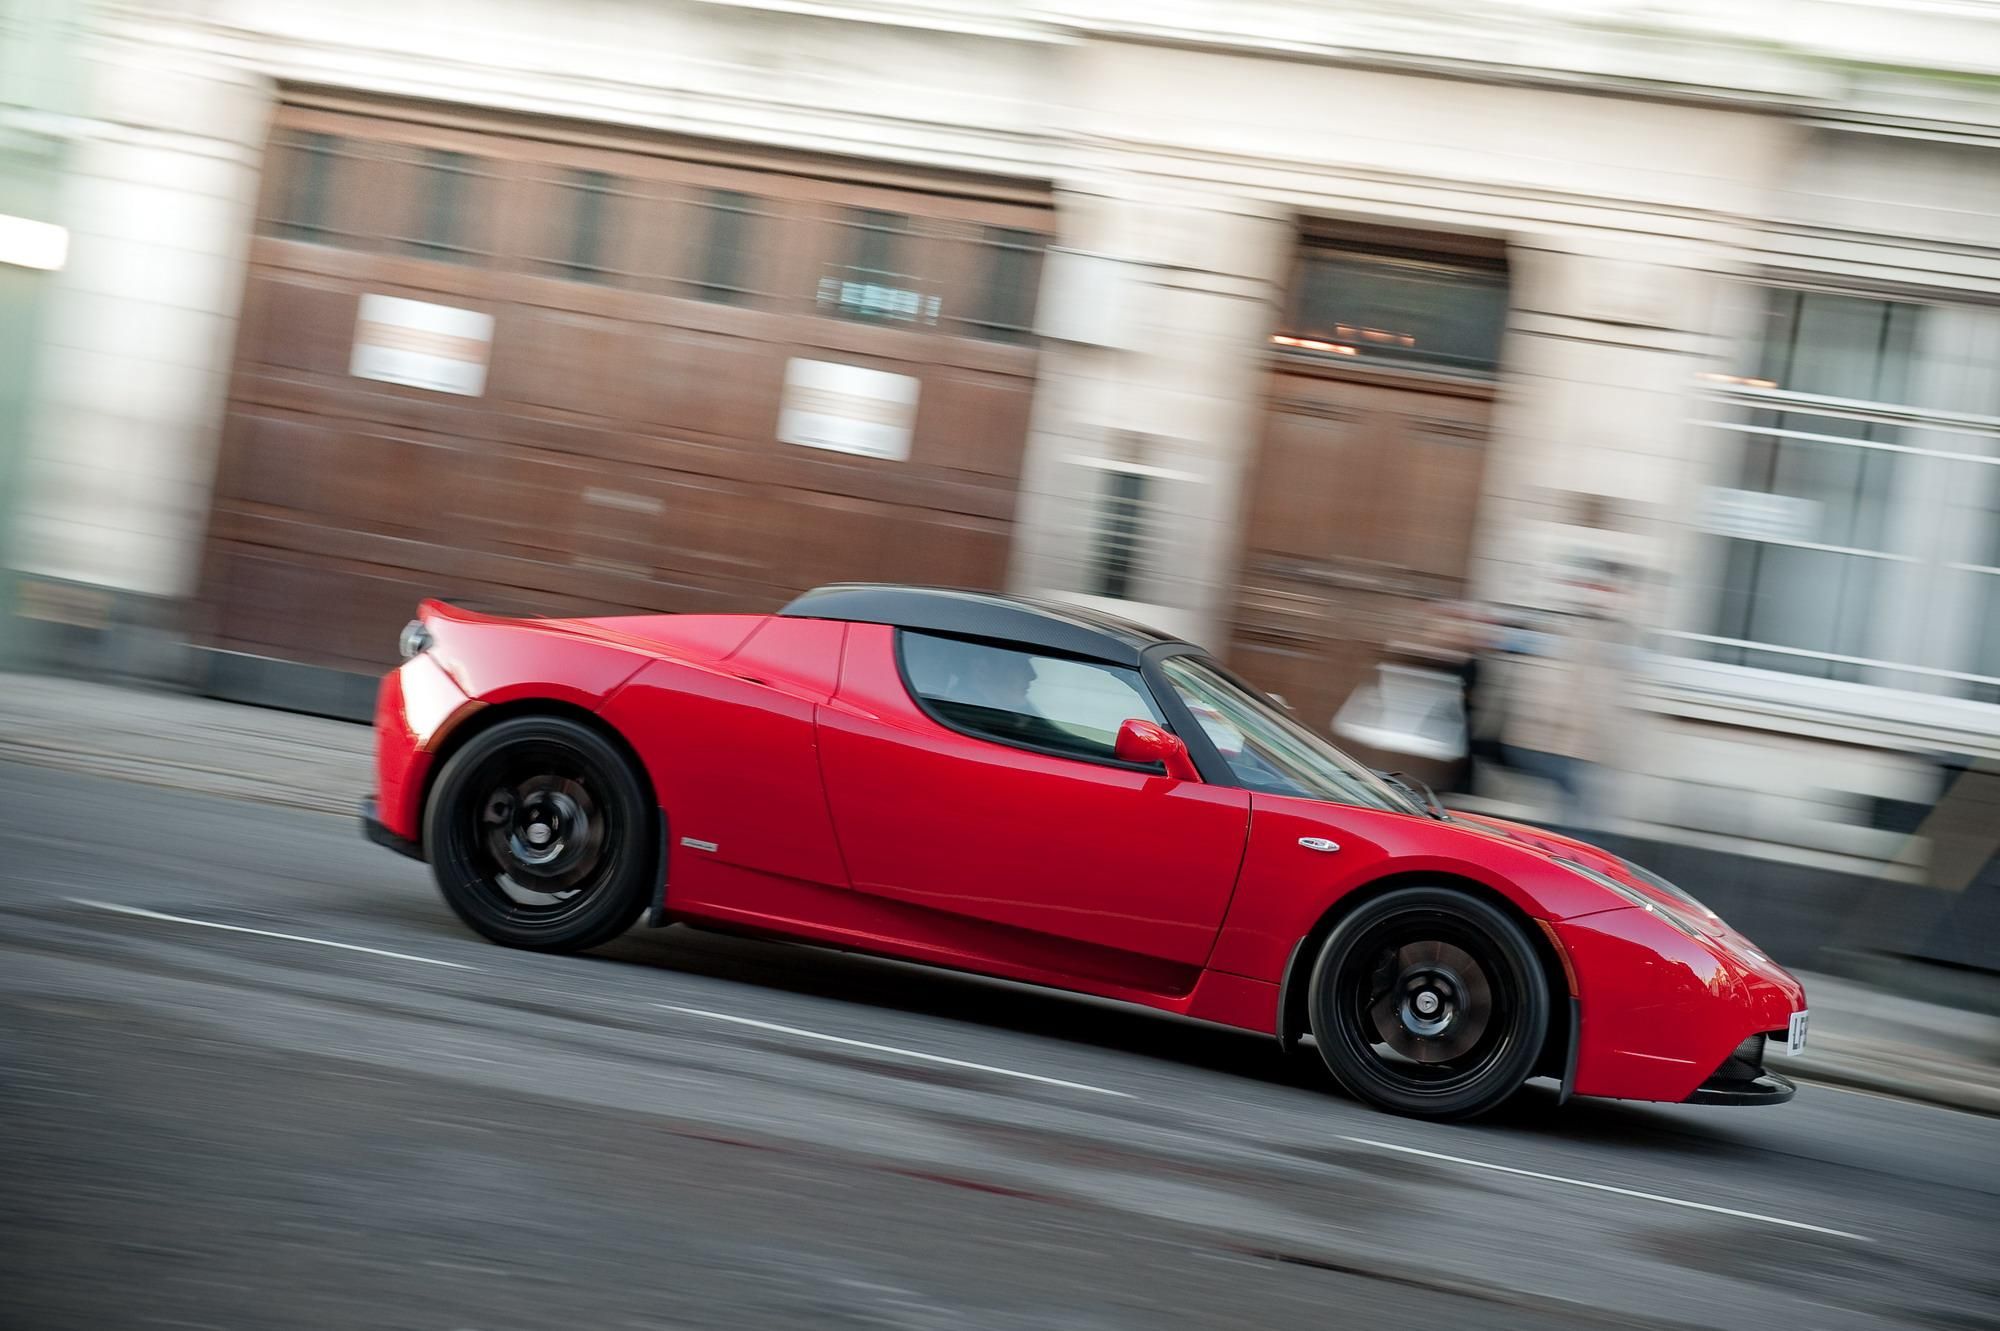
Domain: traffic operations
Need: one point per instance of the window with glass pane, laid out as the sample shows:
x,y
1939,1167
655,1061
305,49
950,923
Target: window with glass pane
x,y
1875,425
445,189
1422,311
590,194
1049,703
874,284
1267,750
874,239
303,209
1013,271
1121,525
725,248
1816,590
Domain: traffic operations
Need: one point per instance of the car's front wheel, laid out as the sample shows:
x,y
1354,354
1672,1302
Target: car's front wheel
x,y
1430,1002
540,835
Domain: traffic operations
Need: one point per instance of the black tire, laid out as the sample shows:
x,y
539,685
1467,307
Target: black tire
x,y
541,836
1429,1002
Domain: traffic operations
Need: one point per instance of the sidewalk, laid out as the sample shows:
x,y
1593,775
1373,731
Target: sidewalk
x,y
186,743
1862,1037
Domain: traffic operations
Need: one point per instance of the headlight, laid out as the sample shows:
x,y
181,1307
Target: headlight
x,y
416,639
1632,894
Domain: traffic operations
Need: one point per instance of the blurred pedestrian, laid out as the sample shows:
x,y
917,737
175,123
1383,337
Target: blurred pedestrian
x,y
1491,637
1460,637
1565,694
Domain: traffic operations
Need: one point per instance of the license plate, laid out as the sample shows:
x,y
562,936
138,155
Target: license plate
x,y
1795,1033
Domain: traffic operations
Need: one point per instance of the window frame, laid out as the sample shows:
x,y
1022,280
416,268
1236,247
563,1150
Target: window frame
x,y
1118,533
1175,716
1697,654
437,202
1147,686
1460,263
990,299
592,190
310,158
734,210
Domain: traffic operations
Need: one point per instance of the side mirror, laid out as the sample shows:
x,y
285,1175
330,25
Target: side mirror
x,y
1142,741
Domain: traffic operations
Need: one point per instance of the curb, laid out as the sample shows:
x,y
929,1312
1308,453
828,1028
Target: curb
x,y
1939,1092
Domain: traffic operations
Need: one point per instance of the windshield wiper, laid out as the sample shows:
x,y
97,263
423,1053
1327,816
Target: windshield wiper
x,y
1419,792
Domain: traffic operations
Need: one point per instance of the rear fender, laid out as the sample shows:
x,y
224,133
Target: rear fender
x,y
495,660
475,662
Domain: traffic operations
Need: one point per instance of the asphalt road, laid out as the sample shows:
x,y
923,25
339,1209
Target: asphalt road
x,y
204,1126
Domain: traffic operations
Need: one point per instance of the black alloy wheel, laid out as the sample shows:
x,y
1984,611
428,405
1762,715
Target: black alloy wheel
x,y
540,835
1429,1002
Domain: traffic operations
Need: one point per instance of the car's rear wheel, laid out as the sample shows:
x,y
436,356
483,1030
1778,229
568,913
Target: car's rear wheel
x,y
540,835
1429,1002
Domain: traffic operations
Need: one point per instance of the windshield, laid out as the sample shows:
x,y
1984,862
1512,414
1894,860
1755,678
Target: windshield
x,y
1267,750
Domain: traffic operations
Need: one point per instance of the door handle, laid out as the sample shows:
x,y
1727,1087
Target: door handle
x,y
1318,843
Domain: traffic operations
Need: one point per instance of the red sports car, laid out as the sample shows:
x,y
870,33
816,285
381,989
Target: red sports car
x,y
1039,792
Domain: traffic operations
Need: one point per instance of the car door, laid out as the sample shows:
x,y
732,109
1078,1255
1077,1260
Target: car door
x,y
973,781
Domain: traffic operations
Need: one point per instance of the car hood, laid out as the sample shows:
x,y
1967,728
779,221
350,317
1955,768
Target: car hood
x,y
1547,842
1557,846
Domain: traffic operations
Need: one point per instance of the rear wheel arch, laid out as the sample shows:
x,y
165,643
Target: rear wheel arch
x,y
1294,1015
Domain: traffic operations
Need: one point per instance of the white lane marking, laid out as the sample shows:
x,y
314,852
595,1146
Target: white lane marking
x,y
144,914
1606,1187
886,1049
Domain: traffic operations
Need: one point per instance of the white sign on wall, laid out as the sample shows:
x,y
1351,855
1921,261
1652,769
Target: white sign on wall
x,y
1752,515
848,409
425,346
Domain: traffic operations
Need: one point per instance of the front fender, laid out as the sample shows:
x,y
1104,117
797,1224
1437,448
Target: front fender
x,y
1286,888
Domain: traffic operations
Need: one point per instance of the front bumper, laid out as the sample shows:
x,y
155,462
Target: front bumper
x,y
1743,1080
377,831
1769,1089
1664,1015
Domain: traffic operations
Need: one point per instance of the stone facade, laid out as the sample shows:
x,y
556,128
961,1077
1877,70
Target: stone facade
x,y
1646,166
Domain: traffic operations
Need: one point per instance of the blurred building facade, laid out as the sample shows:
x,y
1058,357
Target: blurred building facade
x,y
38,95
1273,322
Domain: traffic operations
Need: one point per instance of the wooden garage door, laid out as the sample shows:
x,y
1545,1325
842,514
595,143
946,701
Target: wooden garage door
x,y
646,299
1362,501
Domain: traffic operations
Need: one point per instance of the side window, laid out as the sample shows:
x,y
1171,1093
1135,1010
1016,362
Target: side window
x,y
1042,702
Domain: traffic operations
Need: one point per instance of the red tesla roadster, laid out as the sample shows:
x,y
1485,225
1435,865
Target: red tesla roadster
x,y
1039,792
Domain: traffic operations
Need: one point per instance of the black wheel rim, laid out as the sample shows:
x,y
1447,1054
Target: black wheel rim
x,y
540,834
1426,1001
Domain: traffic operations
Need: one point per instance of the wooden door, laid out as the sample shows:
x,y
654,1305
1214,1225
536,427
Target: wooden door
x,y
646,298
1359,519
